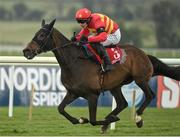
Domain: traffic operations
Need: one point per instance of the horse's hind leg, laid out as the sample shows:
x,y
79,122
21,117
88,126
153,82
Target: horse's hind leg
x,y
121,104
67,100
149,95
120,101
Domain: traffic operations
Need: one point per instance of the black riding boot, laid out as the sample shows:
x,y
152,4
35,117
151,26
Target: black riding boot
x,y
103,54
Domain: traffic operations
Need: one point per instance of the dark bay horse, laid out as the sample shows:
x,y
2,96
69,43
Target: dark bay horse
x,y
82,78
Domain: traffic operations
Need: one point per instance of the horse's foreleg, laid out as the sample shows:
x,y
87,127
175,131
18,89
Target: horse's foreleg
x,y
92,102
67,100
121,104
149,95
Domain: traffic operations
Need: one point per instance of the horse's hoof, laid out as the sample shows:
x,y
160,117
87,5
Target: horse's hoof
x,y
140,123
83,120
104,129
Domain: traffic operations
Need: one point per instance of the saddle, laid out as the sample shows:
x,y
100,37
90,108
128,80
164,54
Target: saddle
x,y
115,53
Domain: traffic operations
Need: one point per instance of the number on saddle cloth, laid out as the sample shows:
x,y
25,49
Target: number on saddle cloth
x,y
116,54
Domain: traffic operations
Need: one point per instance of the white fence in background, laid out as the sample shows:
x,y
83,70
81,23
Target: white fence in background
x,y
152,51
18,60
14,60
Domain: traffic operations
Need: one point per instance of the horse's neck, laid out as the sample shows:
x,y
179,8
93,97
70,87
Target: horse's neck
x,y
64,55
73,69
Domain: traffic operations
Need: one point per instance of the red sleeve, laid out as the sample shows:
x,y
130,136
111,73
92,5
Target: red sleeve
x,y
99,38
82,32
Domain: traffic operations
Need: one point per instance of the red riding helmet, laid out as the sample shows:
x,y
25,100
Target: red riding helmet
x,y
83,14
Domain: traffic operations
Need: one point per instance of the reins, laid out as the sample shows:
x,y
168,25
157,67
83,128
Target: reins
x,y
63,46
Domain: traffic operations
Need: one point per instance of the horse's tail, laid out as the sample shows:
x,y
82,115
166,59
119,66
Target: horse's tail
x,y
161,68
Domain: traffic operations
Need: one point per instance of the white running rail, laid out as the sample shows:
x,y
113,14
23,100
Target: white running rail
x,y
20,60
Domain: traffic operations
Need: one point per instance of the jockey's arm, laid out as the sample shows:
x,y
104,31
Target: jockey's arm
x,y
84,32
102,36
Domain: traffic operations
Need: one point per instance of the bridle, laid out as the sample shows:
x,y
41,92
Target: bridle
x,y
44,43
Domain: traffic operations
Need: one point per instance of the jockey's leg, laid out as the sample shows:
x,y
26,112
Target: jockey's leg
x,y
103,54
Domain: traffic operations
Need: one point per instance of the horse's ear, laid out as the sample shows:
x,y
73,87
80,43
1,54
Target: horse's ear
x,y
43,23
52,23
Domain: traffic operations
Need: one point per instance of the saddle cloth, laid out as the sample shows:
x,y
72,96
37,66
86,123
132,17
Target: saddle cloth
x,y
115,53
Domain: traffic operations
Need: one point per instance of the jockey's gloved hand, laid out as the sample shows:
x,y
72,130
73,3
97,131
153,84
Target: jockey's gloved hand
x,y
83,39
73,39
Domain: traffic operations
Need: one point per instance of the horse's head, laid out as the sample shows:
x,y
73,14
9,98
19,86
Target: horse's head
x,y
42,41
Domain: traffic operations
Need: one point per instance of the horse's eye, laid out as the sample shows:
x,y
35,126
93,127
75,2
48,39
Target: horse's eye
x,y
41,36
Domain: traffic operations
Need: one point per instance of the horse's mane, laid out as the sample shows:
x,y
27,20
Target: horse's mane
x,y
68,54
58,35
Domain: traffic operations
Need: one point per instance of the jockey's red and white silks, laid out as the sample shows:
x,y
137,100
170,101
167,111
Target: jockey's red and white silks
x,y
101,21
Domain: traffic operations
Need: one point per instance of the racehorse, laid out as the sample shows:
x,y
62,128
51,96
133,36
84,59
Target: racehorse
x,y
82,77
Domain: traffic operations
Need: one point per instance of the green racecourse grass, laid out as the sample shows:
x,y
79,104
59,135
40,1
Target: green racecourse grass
x,y
46,121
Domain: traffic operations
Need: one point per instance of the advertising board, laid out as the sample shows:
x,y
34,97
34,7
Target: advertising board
x,y
49,90
168,93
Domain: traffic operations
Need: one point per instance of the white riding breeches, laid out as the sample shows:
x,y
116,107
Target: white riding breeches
x,y
112,38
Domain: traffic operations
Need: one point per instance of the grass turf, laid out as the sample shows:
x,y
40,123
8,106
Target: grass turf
x,y
46,121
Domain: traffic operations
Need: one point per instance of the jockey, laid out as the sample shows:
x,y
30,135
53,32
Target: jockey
x,y
105,32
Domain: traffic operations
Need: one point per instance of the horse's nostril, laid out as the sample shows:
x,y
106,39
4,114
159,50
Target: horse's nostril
x,y
27,53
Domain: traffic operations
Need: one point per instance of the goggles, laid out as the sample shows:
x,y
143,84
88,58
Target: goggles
x,y
82,21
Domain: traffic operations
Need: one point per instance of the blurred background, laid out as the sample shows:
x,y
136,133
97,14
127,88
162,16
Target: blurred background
x,y
152,25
